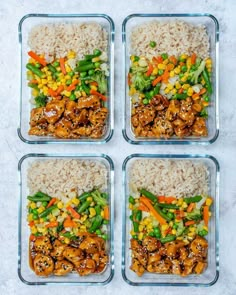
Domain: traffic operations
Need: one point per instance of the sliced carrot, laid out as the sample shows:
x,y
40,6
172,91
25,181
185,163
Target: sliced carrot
x,y
60,89
191,207
181,90
106,213
206,215
179,214
149,71
94,83
202,91
143,207
169,200
158,217
31,223
193,58
169,229
195,95
52,224
69,223
173,59
32,238
72,85
190,222
161,199
42,61
52,92
166,75
156,81
52,201
101,96
73,212
62,65
34,81
159,59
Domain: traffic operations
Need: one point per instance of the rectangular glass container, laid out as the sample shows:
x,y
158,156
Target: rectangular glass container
x,y
25,273
211,274
25,25
212,27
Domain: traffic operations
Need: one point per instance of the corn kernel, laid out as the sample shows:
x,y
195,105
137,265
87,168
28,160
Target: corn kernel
x,y
84,217
205,227
208,61
33,230
169,86
67,241
53,218
84,94
132,232
68,203
140,228
30,217
189,63
185,86
190,91
96,59
75,201
155,71
93,87
40,85
173,91
177,85
83,228
67,93
172,210
71,54
92,212
60,205
205,103
166,61
149,226
172,74
41,220
161,66
177,70
208,201
89,199
173,231
184,79
140,236
184,56
167,90
102,213
192,229
184,205
35,92
40,209
180,238
164,227
191,234
33,205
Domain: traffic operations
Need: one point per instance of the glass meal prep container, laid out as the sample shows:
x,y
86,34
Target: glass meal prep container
x,y
25,26
25,272
212,28
210,275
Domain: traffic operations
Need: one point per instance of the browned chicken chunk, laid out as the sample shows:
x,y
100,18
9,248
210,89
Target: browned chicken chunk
x,y
151,244
137,267
43,265
91,101
43,245
199,127
85,266
37,117
98,116
92,245
74,255
63,267
54,110
58,249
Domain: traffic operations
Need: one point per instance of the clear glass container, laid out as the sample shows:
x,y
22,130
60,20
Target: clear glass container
x,y
211,274
25,25
212,27
25,273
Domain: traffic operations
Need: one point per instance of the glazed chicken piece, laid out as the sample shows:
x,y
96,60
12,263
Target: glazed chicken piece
x,y
97,131
39,130
173,110
188,265
199,127
162,128
82,131
37,117
199,246
199,268
186,113
173,247
54,110
151,244
146,114
137,267
63,128
58,249
153,258
92,245
43,245
62,267
70,110
86,266
139,252
98,116
82,117
159,102
162,266
74,255
43,265
91,101
181,129
176,269
183,254
144,131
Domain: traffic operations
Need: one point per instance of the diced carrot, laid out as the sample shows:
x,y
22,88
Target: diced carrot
x,y
149,71
173,59
73,212
147,202
193,58
159,59
190,222
181,90
52,201
52,224
156,81
60,89
72,85
101,96
206,215
169,200
142,207
202,91
32,238
42,61
62,65
94,83
69,223
195,95
191,207
161,199
51,92
31,223
34,81
106,213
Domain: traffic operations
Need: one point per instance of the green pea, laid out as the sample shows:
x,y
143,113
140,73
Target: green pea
x,y
72,96
181,75
152,234
164,56
38,65
170,215
157,232
97,52
105,221
71,74
184,69
145,101
35,211
135,237
175,226
203,233
152,44
68,82
160,72
98,232
35,217
131,200
97,64
56,64
44,204
207,98
136,58
164,210
104,236
91,72
83,74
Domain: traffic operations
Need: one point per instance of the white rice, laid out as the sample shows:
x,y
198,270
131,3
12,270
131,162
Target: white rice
x,y
173,37
59,177
59,38
166,177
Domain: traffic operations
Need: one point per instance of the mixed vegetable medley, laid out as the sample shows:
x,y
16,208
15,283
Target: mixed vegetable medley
x,y
69,236
168,234
170,95
69,95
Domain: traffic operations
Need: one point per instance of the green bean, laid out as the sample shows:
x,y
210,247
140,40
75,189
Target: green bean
x,y
52,69
97,209
167,239
40,194
161,213
148,195
96,224
131,200
56,64
98,232
104,236
164,56
170,215
180,96
84,62
84,206
157,232
97,52
138,215
35,70
85,88
105,221
136,226
47,211
84,68
33,85
193,199
104,195
168,206
145,101
38,199
84,196
207,81
203,233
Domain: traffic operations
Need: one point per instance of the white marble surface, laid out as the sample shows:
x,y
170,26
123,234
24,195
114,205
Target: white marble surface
x,y
12,149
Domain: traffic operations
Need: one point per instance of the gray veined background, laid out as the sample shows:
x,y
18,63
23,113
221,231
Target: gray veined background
x,y
12,149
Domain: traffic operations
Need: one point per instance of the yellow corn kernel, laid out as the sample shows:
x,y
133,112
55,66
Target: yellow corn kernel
x,y
203,82
33,205
33,230
44,81
53,218
205,103
84,94
132,91
96,59
173,231
67,241
184,56
89,199
164,227
40,209
132,232
67,77
177,220
68,68
190,91
169,86
140,236
184,79
208,61
83,228
67,93
166,61
167,90
189,63
75,201
205,227
180,238
141,227
149,226
58,83
102,213
30,217
155,71
35,92
93,87
40,85
209,213
68,203
172,74
172,210
131,206
185,86
92,212
60,205
41,220
71,54
192,229
191,234
41,229
184,205
31,60
132,57
63,80
84,217
161,66
177,85
64,215
173,91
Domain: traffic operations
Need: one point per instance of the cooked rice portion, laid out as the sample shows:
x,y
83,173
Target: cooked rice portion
x,y
169,177
59,177
59,38
173,37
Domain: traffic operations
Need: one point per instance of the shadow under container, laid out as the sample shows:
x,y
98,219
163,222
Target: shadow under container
x,y
25,25
212,27
25,273
211,274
